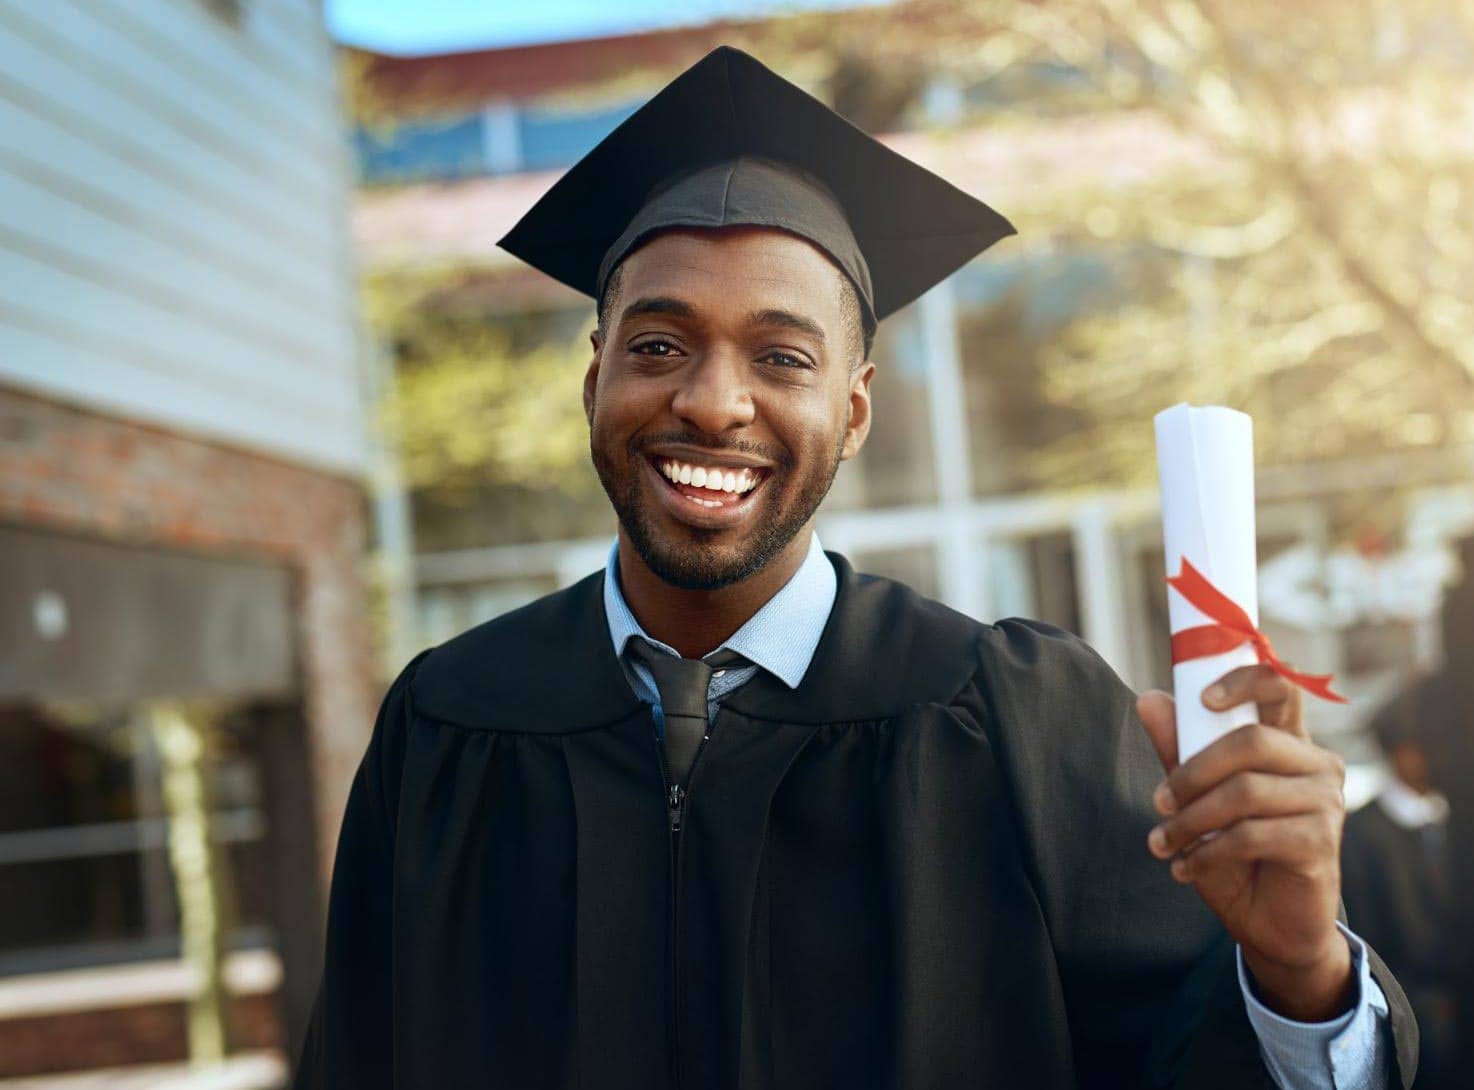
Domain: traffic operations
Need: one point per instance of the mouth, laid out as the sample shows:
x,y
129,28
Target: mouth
x,y
708,493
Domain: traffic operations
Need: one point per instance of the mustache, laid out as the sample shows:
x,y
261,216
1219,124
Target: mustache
x,y
773,455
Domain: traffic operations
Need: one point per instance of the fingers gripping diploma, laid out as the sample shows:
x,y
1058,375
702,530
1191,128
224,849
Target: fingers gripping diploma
x,y
1253,821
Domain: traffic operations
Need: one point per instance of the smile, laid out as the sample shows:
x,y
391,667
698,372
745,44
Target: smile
x,y
697,487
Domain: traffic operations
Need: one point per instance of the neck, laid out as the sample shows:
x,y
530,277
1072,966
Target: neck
x,y
695,622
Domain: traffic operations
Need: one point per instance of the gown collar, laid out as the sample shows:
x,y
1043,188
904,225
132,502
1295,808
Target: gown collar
x,y
550,667
781,637
1408,808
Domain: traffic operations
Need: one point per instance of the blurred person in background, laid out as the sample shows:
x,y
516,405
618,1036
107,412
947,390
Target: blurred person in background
x,y
1395,874
1438,712
1448,731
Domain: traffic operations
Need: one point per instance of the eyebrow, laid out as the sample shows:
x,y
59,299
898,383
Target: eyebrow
x,y
679,308
657,304
786,319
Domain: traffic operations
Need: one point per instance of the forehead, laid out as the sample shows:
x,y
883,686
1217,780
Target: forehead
x,y
750,267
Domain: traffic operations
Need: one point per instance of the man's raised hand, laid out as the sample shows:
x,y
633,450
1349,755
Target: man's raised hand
x,y
1253,821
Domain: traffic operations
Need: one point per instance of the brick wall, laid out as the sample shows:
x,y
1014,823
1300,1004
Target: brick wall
x,y
118,1037
75,470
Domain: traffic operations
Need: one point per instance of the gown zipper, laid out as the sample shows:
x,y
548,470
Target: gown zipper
x,y
675,802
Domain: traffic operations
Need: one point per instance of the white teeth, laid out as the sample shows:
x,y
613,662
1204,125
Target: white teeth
x,y
716,479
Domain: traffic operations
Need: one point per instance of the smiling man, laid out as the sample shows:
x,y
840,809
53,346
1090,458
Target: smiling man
x,y
728,814
719,410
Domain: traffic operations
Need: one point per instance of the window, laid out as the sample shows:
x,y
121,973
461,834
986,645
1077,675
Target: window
x,y
85,877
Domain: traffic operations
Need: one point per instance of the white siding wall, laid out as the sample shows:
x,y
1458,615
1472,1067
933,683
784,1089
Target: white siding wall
x,y
173,201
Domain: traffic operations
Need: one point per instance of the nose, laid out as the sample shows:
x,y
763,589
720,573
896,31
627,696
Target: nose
x,y
713,396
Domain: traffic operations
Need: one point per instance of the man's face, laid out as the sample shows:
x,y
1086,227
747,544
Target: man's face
x,y
1410,764
721,398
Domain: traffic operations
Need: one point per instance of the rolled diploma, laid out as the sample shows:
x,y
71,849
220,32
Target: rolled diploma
x,y
1205,458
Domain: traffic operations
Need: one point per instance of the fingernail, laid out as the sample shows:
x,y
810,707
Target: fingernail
x,y
1179,870
1157,842
1163,800
1214,694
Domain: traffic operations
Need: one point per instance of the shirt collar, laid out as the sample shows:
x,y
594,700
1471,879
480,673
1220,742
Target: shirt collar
x,y
781,637
1408,808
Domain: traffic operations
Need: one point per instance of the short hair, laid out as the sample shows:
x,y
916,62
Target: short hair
x,y
611,292
859,333
1398,723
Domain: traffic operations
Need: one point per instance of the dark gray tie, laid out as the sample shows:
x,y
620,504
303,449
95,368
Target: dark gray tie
x,y
683,685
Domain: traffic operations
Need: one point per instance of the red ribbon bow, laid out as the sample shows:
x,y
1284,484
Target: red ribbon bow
x,y
1232,629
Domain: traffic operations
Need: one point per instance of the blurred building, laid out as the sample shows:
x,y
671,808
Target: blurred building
x,y
948,494
184,657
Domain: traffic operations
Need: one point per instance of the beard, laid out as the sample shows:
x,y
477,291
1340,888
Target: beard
x,y
689,557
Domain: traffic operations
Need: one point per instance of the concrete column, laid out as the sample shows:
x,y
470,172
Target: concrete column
x,y
1098,578
959,552
394,555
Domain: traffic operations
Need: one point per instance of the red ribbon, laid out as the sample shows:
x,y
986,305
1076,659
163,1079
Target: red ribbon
x,y
1232,628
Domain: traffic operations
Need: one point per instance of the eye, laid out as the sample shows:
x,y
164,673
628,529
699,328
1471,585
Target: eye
x,y
660,349
785,359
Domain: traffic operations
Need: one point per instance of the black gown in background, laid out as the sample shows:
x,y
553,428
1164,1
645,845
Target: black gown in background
x,y
1437,710
1395,882
923,869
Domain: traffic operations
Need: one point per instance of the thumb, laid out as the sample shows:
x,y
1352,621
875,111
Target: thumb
x,y
1158,712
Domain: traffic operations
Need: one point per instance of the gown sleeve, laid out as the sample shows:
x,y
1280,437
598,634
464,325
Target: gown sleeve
x,y
349,1041
1358,889
1148,972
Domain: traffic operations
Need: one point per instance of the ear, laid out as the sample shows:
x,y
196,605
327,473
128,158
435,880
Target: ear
x,y
858,425
591,379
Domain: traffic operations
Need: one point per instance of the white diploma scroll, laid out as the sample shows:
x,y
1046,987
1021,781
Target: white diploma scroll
x,y
1205,457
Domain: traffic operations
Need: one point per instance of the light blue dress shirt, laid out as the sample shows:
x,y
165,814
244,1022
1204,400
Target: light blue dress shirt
x,y
1348,1053
780,638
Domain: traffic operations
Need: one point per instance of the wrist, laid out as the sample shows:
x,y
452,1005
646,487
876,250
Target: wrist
x,y
1317,990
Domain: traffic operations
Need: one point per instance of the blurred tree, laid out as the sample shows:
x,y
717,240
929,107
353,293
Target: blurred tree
x,y
1311,263
1307,256
185,737
472,408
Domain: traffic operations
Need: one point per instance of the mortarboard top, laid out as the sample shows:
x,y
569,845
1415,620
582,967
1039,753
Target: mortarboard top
x,y
729,142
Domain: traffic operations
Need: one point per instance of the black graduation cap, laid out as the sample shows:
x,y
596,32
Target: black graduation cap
x,y
730,142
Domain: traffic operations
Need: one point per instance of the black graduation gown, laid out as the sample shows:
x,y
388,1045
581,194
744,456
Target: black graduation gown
x,y
1397,894
1395,885
1439,709
925,868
